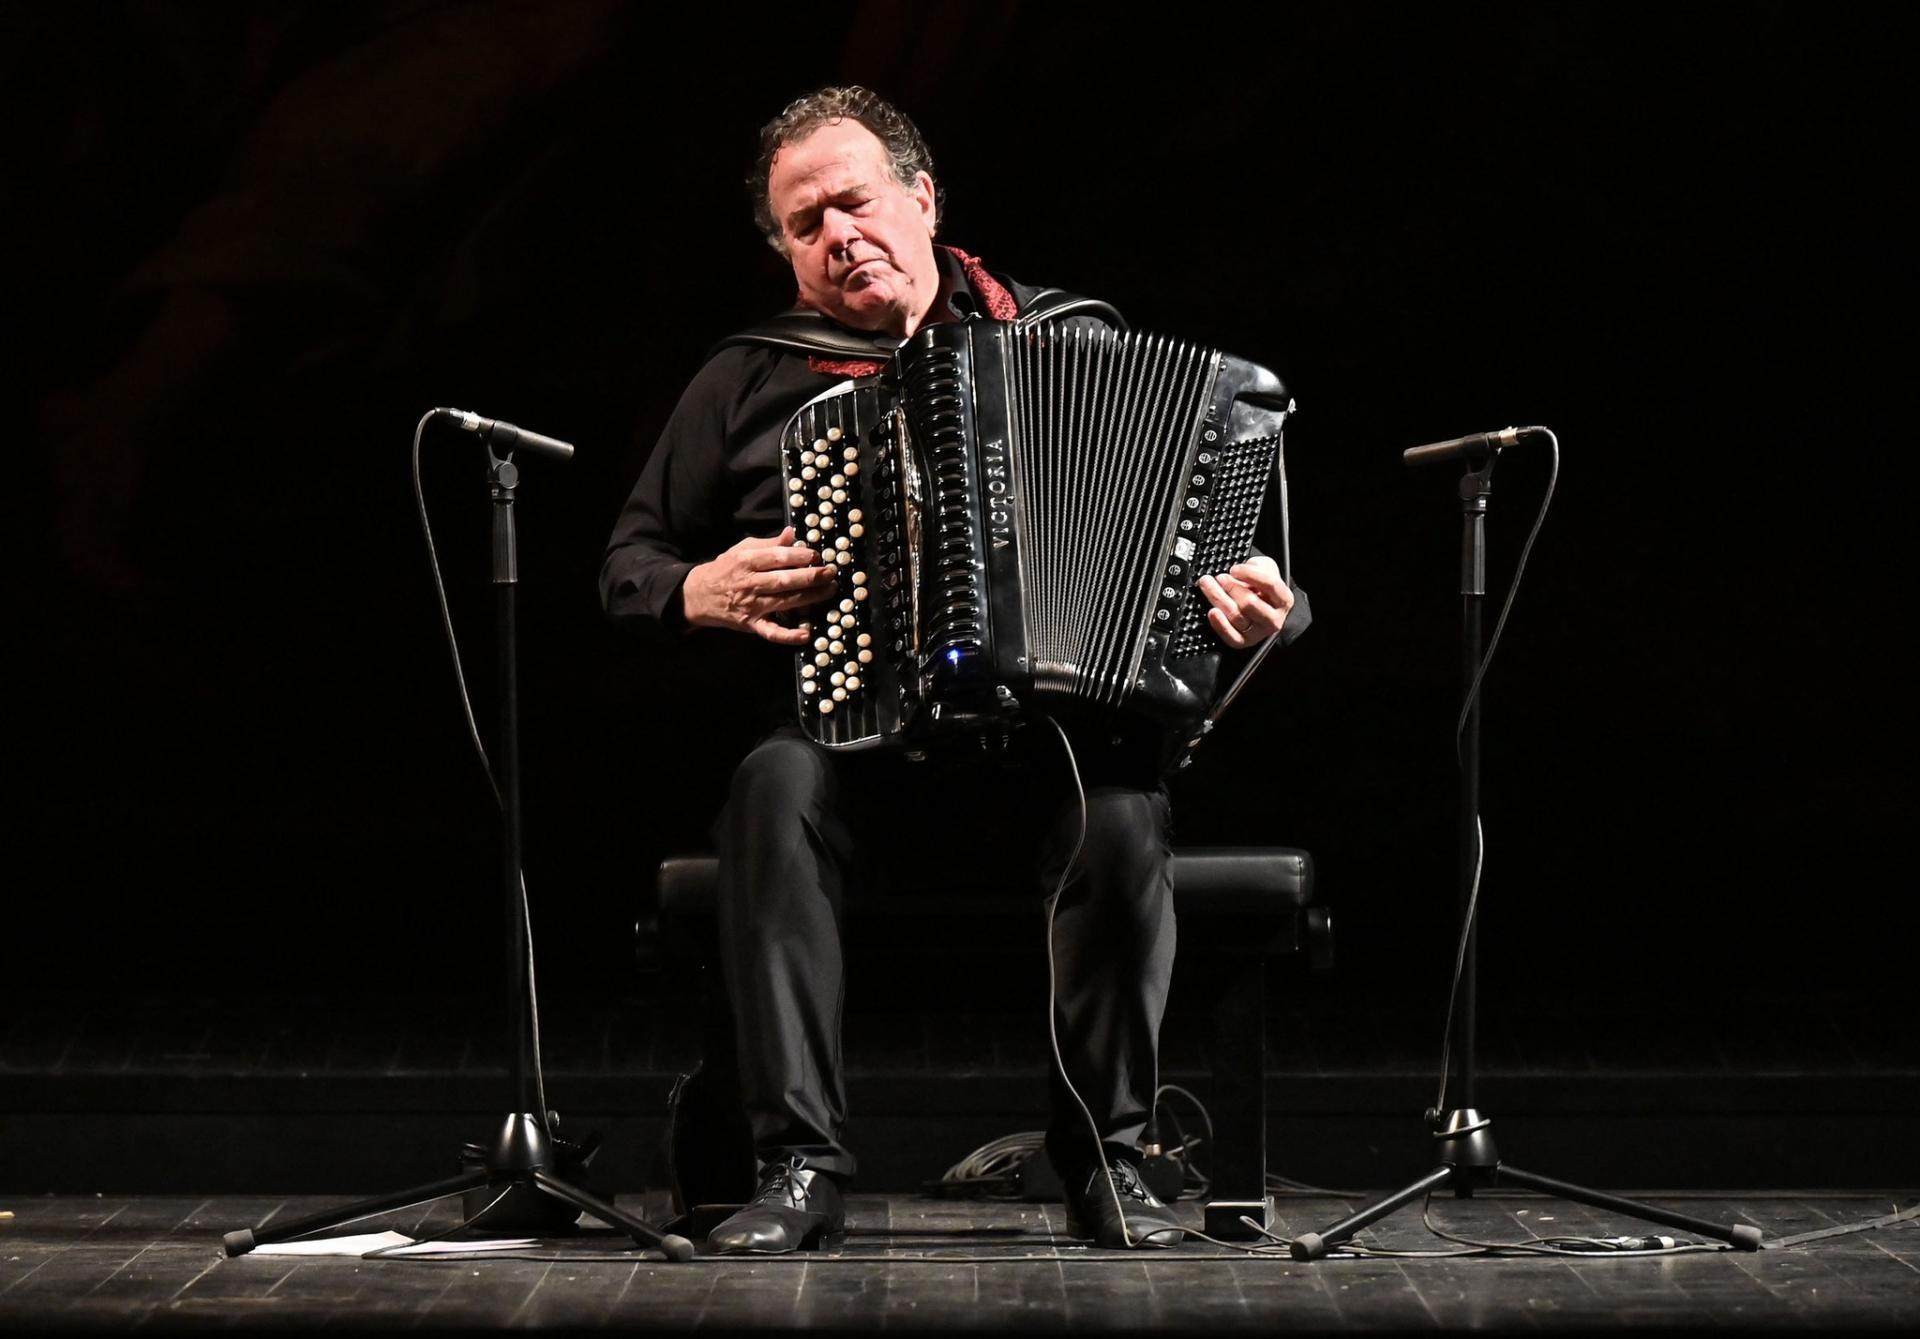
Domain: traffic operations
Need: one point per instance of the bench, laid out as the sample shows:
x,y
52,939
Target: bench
x,y
1243,909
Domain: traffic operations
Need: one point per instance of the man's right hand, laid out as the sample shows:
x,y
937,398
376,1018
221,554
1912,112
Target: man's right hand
x,y
745,586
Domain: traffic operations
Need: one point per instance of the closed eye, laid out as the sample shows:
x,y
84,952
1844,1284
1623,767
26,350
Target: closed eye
x,y
803,227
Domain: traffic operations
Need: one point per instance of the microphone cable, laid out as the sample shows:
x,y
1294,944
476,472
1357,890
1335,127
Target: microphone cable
x,y
1459,732
486,767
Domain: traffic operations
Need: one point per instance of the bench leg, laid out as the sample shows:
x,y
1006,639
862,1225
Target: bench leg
x,y
1239,1154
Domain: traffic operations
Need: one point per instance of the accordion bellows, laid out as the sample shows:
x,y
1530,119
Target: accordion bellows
x,y
1019,515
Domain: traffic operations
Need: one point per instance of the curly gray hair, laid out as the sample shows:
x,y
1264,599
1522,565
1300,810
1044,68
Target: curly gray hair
x,y
907,153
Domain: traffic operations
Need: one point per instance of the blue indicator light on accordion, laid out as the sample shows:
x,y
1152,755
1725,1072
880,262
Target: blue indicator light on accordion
x,y
953,656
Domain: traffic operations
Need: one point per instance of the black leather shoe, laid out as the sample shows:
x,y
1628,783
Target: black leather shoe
x,y
1097,1199
795,1209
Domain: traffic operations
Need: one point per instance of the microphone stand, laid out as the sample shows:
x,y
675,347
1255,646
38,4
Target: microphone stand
x,y
1468,1158
517,1165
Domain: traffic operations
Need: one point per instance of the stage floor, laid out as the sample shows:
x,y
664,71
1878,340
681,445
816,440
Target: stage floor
x,y
926,1264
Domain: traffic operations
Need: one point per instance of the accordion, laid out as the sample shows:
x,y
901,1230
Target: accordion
x,y
1019,514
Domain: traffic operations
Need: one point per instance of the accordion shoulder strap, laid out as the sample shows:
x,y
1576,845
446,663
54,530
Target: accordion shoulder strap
x,y
1053,304
802,330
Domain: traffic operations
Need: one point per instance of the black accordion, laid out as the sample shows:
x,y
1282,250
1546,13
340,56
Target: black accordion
x,y
1019,515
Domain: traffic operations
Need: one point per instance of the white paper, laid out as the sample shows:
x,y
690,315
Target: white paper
x,y
360,1245
389,1241
466,1247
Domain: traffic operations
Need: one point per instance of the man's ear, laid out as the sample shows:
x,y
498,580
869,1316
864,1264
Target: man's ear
x,y
923,197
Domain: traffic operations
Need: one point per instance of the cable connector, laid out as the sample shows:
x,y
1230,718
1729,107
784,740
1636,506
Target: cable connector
x,y
1640,1243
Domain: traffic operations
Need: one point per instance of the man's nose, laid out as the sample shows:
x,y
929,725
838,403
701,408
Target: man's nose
x,y
840,230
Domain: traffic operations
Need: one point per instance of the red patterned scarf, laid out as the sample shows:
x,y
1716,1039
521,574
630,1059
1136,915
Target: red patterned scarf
x,y
1000,306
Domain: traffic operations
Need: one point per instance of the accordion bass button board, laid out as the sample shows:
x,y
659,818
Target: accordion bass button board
x,y
841,502
1019,516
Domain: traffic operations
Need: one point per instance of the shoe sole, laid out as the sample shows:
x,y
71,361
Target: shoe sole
x,y
816,1240
1079,1232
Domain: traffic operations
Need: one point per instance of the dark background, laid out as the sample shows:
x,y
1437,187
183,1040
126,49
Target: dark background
x,y
249,245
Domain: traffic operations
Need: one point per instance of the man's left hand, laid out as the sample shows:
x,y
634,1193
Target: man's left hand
x,y
1250,602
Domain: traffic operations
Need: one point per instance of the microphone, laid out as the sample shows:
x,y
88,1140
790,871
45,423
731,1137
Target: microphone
x,y
504,437
1477,445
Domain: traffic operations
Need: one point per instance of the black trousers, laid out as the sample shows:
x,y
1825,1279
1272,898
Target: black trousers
x,y
804,826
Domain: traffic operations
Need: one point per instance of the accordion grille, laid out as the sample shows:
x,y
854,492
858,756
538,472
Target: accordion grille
x,y
1239,479
1103,428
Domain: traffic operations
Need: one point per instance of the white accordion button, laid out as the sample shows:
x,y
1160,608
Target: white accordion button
x,y
839,695
856,530
809,472
833,435
839,495
820,643
866,657
837,648
859,579
813,518
824,491
826,705
838,481
806,671
859,592
846,607
843,558
823,660
813,536
826,510
864,639
809,686
851,453
838,678
854,515
853,683
841,543
853,468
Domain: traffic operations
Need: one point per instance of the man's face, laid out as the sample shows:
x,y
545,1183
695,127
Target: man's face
x,y
861,244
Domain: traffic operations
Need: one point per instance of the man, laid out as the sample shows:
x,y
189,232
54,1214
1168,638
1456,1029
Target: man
x,y
844,190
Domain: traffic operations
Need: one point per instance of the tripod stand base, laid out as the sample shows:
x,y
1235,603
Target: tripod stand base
x,y
1470,1161
517,1160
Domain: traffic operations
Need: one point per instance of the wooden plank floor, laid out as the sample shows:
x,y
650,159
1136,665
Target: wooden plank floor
x,y
933,1265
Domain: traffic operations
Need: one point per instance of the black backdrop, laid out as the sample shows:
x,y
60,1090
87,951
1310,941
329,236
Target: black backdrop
x,y
249,245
